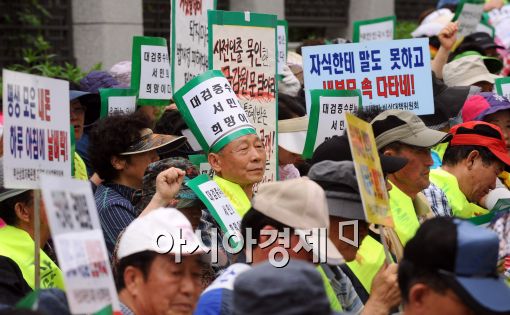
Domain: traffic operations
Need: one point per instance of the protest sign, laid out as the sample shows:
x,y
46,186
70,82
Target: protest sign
x,y
375,29
503,86
369,174
243,46
36,129
150,72
193,142
282,31
468,15
327,116
218,204
117,101
212,111
495,16
485,27
392,74
189,40
200,161
79,244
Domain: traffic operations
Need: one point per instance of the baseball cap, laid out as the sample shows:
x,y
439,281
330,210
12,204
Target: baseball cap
x,y
467,71
338,179
448,102
292,134
466,256
494,65
338,149
404,126
478,40
92,103
160,231
185,198
485,103
480,133
296,289
150,141
301,204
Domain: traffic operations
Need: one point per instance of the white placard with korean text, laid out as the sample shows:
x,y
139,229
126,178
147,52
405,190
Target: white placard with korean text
x,y
189,40
243,46
468,15
36,129
79,244
391,74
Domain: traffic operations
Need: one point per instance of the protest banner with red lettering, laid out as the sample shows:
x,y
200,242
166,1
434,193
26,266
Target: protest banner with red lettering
x,y
391,74
150,71
117,101
374,29
79,244
189,40
243,46
36,129
327,116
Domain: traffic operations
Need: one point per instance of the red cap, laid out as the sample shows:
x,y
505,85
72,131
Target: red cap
x,y
496,145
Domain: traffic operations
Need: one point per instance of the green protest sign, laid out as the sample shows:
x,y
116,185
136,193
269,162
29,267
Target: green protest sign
x,y
212,111
150,71
327,116
117,101
468,14
189,40
244,46
282,31
374,29
218,205
503,86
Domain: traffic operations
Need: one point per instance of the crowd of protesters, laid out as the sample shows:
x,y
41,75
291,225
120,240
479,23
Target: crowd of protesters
x,y
440,171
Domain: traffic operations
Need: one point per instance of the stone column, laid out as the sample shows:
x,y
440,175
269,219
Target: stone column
x,y
260,6
368,9
103,30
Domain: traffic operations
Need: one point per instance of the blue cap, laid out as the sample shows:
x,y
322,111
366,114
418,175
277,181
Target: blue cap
x,y
466,256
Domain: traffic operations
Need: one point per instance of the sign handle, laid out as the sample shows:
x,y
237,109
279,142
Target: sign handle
x,y
37,238
385,245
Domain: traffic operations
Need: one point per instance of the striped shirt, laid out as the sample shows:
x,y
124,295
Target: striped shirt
x,y
115,211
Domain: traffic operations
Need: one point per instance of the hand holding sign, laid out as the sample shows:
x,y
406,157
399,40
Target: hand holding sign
x,y
448,35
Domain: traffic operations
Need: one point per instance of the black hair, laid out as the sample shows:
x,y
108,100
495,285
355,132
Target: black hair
x,y
170,123
256,221
289,107
142,260
112,136
368,113
432,249
7,207
455,154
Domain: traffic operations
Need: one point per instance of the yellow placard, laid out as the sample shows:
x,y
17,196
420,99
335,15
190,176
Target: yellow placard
x,y
368,171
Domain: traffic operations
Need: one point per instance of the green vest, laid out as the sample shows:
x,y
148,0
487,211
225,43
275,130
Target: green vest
x,y
404,215
330,292
17,245
371,259
448,183
235,195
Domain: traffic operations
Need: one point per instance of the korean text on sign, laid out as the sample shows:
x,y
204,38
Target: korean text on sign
x,y
189,40
391,74
36,129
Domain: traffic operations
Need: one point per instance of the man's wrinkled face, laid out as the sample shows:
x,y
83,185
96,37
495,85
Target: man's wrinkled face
x,y
502,120
482,178
242,161
414,177
170,288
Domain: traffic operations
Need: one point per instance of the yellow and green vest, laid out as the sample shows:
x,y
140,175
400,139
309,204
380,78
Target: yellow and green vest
x,y
17,245
235,195
448,183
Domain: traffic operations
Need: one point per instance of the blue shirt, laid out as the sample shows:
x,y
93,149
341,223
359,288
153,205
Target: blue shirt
x,y
115,211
